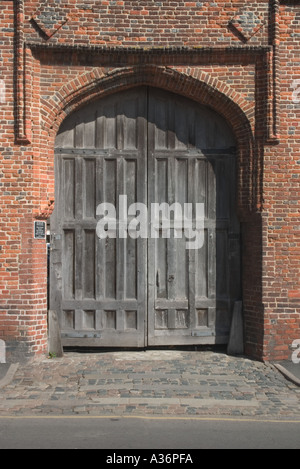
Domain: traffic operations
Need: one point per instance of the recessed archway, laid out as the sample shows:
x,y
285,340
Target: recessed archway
x,y
152,147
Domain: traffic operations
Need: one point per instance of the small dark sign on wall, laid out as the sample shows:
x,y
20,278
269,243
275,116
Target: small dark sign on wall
x,y
39,230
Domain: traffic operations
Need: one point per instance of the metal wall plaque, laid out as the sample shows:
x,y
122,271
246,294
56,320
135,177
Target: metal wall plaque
x,y
39,230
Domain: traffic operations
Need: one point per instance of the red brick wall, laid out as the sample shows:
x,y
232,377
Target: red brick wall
x,y
281,271
23,319
76,51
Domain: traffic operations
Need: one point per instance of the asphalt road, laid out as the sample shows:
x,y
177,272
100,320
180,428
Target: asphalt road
x,y
132,435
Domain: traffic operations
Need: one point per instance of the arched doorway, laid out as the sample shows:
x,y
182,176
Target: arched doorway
x,y
150,147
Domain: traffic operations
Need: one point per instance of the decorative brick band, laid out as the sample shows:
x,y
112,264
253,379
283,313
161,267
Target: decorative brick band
x,y
273,73
22,68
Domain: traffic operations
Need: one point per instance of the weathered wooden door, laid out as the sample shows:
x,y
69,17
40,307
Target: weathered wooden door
x,y
99,286
153,147
191,160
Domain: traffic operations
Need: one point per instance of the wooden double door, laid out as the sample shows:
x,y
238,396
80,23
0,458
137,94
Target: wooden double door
x,y
126,290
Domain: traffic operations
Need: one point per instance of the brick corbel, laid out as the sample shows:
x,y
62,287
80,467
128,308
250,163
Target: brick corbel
x,y
46,212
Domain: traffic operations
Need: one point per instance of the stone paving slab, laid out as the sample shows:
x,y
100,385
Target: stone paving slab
x,y
290,370
149,383
4,367
7,372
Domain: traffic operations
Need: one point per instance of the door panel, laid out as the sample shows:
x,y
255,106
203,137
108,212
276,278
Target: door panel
x,y
153,147
101,154
190,157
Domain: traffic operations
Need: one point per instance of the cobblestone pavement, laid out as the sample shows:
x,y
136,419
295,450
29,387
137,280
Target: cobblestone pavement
x,y
181,383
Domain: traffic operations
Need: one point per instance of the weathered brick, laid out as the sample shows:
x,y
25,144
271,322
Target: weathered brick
x,y
78,51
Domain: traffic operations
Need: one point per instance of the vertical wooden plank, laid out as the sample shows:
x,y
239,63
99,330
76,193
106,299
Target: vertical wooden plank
x,y
68,184
100,129
110,245
130,170
99,324
212,316
100,244
181,125
161,268
171,318
161,245
171,242
68,265
56,250
79,134
181,181
182,319
110,276
161,319
171,136
78,264
89,129
191,254
120,127
201,189
212,263
110,181
201,285
120,320
192,123
141,192
200,131
211,232
131,267
120,241
131,274
182,268
78,319
202,196
181,197
130,244
78,232
89,267
131,123
159,112
79,188
89,196
111,137
161,180
65,138
152,318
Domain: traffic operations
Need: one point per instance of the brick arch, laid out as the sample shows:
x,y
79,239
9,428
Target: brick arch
x,y
196,85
